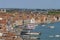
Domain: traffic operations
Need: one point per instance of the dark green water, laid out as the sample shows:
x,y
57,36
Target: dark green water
x,y
46,31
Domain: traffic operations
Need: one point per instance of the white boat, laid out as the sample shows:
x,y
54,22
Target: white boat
x,y
34,37
51,27
57,35
43,25
34,33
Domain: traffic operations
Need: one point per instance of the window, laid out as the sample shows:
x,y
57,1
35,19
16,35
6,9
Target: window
x,y
57,18
0,27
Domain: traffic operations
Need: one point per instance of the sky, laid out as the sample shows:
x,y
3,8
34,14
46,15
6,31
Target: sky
x,y
30,4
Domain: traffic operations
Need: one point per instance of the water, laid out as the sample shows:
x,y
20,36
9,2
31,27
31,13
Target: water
x,y
46,31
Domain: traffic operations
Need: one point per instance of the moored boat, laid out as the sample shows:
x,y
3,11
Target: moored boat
x,y
51,27
33,33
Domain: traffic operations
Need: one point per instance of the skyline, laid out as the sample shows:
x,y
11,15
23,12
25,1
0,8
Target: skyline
x,y
30,4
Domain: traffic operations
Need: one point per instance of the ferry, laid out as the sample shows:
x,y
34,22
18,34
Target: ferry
x,y
30,33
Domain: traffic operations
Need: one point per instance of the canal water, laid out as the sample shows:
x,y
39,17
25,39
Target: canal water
x,y
48,33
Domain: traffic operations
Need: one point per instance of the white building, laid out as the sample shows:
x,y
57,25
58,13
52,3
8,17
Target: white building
x,y
2,10
32,20
19,22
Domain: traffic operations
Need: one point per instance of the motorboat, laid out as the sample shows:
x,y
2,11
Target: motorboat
x,y
30,33
43,25
51,27
33,33
57,35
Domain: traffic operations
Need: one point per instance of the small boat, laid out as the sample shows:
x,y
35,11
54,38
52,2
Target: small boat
x,y
52,27
57,35
35,38
43,25
33,33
